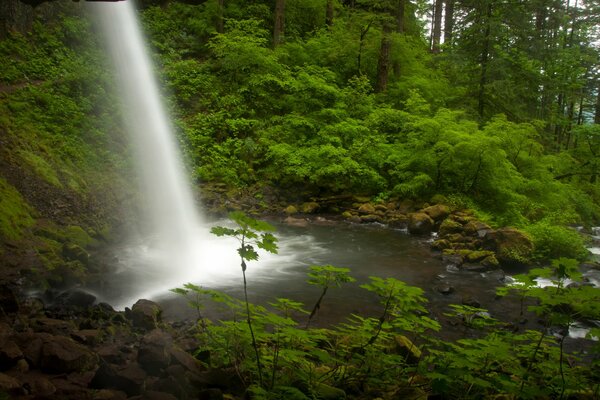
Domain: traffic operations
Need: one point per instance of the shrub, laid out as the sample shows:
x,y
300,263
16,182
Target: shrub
x,y
553,241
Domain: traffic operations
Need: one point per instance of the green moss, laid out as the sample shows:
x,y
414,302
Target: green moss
x,y
41,167
77,235
15,213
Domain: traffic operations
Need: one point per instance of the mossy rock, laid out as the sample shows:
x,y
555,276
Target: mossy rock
x,y
441,244
290,210
366,209
405,347
420,223
77,235
326,392
512,246
310,207
474,256
437,212
448,226
347,214
475,227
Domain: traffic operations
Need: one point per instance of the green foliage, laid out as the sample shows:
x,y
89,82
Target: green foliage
x,y
15,213
551,241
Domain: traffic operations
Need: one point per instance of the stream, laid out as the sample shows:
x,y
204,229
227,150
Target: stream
x,y
366,249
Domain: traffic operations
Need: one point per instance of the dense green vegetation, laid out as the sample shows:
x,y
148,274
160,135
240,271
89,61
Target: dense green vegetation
x,y
514,138
397,354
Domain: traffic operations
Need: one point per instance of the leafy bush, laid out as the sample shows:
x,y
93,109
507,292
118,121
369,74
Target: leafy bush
x,y
553,241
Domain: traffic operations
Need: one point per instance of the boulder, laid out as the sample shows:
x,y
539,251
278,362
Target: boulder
x,y
215,394
10,353
107,394
39,385
75,298
366,208
145,314
8,301
437,212
441,244
290,210
369,218
9,385
512,246
477,228
61,354
420,223
186,360
450,226
301,222
154,354
309,207
52,326
130,378
444,289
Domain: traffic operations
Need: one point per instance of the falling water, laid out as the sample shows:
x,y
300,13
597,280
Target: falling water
x,y
169,199
177,247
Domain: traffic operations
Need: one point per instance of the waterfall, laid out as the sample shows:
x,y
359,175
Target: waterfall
x,y
172,221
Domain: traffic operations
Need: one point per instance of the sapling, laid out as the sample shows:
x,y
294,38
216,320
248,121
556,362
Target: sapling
x,y
326,276
249,233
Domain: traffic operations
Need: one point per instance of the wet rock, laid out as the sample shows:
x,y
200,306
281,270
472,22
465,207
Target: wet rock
x,y
153,354
301,222
75,298
52,326
474,256
470,301
474,267
355,219
444,289
370,218
145,314
420,223
437,212
186,360
449,226
88,336
450,257
61,354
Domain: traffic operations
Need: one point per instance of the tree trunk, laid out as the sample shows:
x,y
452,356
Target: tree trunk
x,y
400,16
485,54
383,64
15,16
278,30
363,33
329,13
437,26
220,22
449,22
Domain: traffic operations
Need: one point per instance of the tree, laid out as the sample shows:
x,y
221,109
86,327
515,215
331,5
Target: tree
x,y
279,25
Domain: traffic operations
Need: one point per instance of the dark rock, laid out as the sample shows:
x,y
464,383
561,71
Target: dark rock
x,y
111,353
220,378
38,385
210,394
420,223
8,301
61,354
107,394
471,302
451,257
369,218
444,289
441,244
10,353
52,326
9,385
88,336
153,354
184,359
75,298
154,395
455,238
146,314
129,378
474,267
475,227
